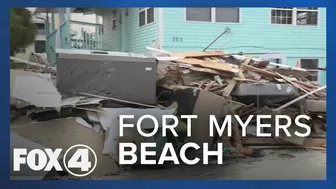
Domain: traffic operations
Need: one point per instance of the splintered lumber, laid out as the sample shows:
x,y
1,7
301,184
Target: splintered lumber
x,y
258,70
207,88
299,98
210,71
241,70
218,80
296,85
294,73
197,54
270,63
228,89
217,66
306,84
254,75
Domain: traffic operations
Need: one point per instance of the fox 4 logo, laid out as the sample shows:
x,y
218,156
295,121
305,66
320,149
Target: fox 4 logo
x,y
47,159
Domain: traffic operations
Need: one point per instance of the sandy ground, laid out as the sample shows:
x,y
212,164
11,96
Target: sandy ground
x,y
290,164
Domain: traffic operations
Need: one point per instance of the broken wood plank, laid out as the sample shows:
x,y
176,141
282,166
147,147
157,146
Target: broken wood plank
x,y
217,60
217,66
283,81
210,71
306,84
197,54
260,71
306,88
270,63
218,79
288,72
210,85
213,89
241,69
296,85
228,89
299,98
254,75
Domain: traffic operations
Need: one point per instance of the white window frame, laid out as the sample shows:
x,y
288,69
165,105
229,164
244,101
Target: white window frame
x,y
294,17
20,51
114,19
213,17
312,70
146,18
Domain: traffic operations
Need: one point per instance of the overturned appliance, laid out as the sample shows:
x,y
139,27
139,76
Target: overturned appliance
x,y
123,77
264,94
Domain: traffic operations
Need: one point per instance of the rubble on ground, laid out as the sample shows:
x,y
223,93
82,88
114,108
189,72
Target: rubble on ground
x,y
83,103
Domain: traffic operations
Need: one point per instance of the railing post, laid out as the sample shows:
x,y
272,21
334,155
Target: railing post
x,y
52,22
47,34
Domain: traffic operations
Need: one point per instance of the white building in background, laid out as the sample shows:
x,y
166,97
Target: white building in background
x,y
39,45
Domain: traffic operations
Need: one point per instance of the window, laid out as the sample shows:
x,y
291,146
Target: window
x,y
114,19
294,16
40,29
40,46
311,65
282,15
226,15
306,16
21,50
146,16
198,14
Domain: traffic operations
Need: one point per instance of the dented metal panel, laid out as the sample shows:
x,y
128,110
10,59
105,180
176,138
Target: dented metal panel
x,y
264,93
126,78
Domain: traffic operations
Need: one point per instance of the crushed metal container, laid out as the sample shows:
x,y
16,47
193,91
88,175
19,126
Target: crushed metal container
x,y
122,77
264,94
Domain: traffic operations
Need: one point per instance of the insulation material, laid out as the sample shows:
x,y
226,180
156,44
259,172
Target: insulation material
x,y
36,90
110,122
16,73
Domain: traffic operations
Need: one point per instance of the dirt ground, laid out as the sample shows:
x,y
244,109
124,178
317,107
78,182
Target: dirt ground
x,y
276,164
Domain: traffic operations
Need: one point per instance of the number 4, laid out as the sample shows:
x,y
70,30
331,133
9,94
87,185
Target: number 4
x,y
80,159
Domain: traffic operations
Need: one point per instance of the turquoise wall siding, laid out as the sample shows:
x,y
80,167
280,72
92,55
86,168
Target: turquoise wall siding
x,y
141,37
254,34
110,37
136,38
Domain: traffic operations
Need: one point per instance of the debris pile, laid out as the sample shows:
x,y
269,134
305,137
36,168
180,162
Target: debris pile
x,y
83,104
260,87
